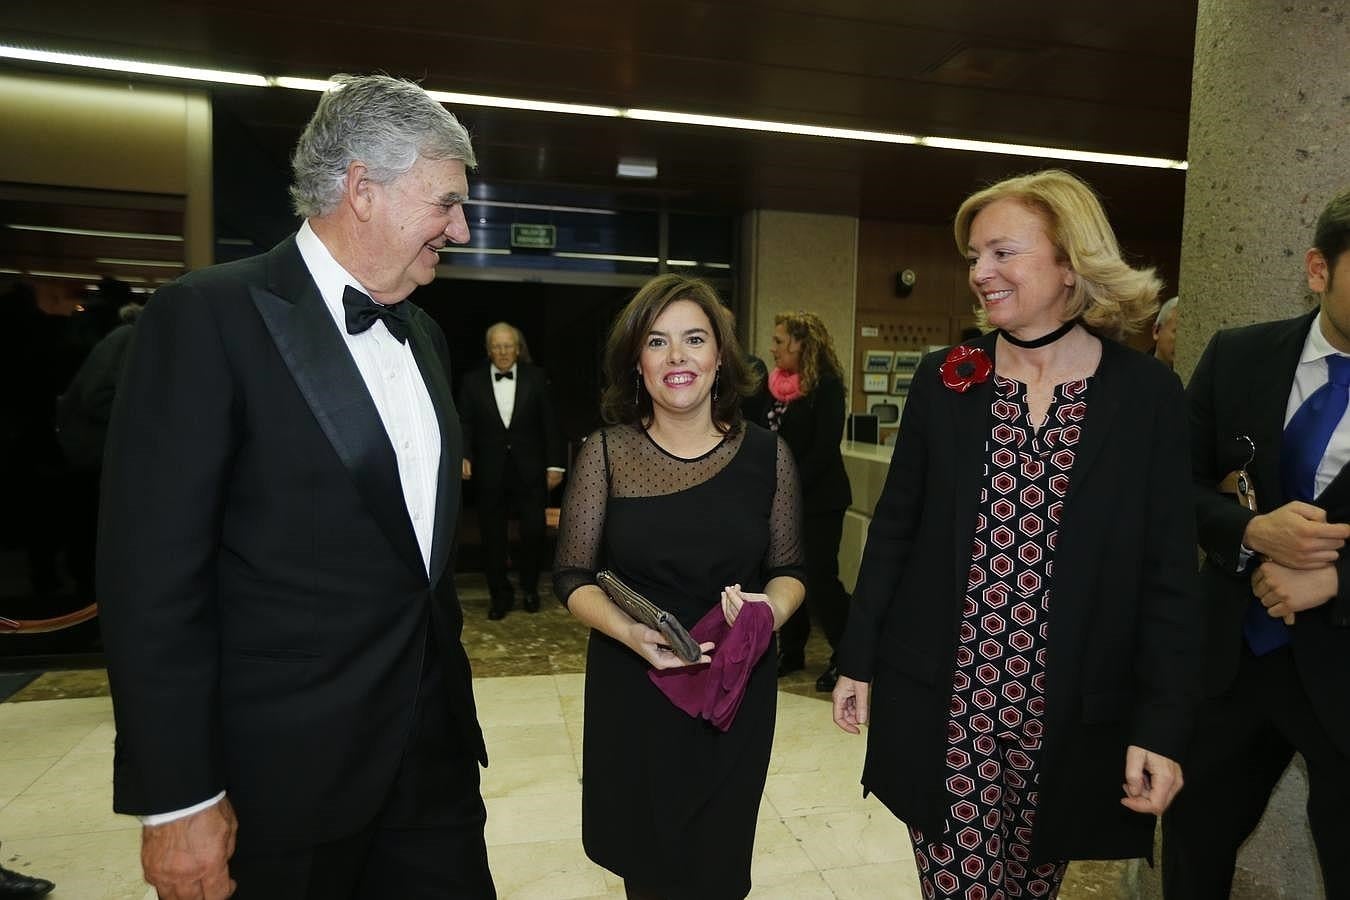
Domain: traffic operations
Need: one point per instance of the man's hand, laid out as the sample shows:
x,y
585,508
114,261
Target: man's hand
x,y
1297,536
1151,781
466,472
554,478
850,704
1284,591
188,858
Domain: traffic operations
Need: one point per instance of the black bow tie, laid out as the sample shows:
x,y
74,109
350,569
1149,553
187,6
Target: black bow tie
x,y
362,312
500,375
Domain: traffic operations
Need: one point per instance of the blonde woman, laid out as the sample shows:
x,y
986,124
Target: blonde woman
x,y
1025,632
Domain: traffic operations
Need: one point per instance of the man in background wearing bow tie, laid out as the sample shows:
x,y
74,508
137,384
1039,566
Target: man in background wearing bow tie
x,y
1272,398
293,704
513,452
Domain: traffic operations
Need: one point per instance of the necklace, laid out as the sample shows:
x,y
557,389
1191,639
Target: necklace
x,y
1041,341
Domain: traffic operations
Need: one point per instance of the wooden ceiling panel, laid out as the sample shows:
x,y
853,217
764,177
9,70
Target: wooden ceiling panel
x,y
1051,72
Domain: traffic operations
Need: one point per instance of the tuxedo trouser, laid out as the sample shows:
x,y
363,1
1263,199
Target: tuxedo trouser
x,y
1244,740
425,844
495,502
826,598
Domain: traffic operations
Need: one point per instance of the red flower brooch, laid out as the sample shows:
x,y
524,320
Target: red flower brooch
x,y
965,367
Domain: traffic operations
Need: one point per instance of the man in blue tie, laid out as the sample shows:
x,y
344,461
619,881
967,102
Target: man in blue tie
x,y
1270,400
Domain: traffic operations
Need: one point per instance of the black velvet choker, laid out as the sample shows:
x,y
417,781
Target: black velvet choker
x,y
1043,339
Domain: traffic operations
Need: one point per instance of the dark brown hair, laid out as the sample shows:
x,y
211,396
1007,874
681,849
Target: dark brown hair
x,y
624,400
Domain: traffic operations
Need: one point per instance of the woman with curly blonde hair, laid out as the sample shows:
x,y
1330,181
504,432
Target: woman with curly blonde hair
x,y
807,410
1025,633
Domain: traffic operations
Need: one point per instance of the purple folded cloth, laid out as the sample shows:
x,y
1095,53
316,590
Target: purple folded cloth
x,y
714,691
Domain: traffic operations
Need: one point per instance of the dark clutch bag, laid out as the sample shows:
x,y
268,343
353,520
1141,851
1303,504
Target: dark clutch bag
x,y
640,609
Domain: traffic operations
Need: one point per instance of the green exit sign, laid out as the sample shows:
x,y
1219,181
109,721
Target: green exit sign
x,y
534,237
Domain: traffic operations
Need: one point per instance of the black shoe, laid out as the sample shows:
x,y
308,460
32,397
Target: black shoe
x,y
531,603
825,683
501,605
789,663
13,884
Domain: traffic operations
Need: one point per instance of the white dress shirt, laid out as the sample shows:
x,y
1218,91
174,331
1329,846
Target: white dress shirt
x,y
390,372
1310,375
504,389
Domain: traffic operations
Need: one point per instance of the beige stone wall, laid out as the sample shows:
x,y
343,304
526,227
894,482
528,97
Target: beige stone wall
x,y
799,261
1269,145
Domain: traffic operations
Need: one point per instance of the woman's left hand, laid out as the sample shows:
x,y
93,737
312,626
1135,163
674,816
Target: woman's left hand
x,y
733,598
1151,781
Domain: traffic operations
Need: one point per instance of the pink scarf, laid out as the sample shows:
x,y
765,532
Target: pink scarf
x,y
785,386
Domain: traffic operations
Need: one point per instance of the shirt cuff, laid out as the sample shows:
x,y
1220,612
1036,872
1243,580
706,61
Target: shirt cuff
x,y
555,469
166,818
1245,555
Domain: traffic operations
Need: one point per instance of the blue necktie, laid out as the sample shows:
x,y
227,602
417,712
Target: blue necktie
x,y
1301,451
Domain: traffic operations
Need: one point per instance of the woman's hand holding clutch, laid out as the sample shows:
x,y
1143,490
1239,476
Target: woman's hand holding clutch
x,y
850,704
651,645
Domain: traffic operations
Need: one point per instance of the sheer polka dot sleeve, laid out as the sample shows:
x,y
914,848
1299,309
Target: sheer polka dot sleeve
x,y
785,555
582,522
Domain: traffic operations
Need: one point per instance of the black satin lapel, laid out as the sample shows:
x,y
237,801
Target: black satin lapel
x,y
433,370
323,369
1270,381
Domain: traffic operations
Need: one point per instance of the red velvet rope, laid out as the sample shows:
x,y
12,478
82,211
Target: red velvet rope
x,y
56,623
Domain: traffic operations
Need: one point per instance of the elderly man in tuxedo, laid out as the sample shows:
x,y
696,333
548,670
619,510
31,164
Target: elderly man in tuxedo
x,y
293,704
1270,400
514,453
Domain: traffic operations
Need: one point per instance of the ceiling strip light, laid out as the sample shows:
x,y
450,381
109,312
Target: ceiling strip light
x,y
131,65
851,134
1119,159
151,263
610,257
86,232
542,206
646,115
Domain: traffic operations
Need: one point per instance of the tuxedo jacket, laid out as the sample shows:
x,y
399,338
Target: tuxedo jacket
x,y
533,438
1240,389
1124,618
812,427
266,608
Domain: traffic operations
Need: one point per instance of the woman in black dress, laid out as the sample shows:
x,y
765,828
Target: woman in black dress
x,y
1025,629
806,408
696,510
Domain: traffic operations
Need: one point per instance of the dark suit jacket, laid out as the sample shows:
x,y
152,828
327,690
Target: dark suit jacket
x,y
812,426
533,438
1125,622
265,604
1241,387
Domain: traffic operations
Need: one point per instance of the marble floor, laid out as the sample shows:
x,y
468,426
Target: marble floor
x,y
817,837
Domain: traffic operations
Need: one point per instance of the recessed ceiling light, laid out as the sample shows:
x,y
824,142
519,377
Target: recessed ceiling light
x,y
637,167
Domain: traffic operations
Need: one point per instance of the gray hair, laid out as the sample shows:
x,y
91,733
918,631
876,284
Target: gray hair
x,y
385,123
521,346
1165,312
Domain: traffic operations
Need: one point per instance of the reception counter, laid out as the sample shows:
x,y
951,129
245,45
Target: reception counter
x,y
866,465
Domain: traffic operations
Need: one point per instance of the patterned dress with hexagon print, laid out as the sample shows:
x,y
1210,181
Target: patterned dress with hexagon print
x,y
998,690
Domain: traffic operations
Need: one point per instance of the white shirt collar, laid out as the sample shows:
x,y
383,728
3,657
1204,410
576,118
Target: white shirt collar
x,y
1317,346
326,271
